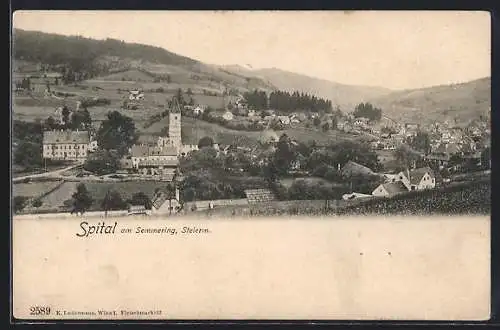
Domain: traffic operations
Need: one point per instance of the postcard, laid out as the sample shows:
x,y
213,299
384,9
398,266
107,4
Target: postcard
x,y
251,165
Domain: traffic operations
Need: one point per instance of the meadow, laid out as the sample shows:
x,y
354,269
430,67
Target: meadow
x,y
33,189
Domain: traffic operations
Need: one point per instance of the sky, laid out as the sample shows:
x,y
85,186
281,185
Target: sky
x,y
392,49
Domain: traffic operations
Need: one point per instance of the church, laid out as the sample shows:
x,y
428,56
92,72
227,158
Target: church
x,y
162,159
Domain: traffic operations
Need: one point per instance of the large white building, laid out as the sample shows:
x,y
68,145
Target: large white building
x,y
67,145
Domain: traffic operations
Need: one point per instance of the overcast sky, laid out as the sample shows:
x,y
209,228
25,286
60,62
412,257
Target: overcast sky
x,y
398,49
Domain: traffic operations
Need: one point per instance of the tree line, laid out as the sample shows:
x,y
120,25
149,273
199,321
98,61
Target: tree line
x,y
286,102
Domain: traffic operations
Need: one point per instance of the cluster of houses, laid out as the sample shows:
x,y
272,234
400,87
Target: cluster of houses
x,y
404,181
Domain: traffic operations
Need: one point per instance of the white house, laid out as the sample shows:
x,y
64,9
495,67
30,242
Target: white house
x,y
417,179
198,110
135,95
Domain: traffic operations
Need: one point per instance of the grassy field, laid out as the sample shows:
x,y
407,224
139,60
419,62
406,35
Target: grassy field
x,y
57,197
96,189
34,189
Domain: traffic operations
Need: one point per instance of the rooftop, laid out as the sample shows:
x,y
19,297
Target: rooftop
x,y
66,137
394,187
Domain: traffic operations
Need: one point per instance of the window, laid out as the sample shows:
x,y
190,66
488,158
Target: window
x,y
432,180
400,177
412,187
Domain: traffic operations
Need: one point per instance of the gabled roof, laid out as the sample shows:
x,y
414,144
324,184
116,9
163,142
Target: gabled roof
x,y
66,137
138,150
394,187
417,174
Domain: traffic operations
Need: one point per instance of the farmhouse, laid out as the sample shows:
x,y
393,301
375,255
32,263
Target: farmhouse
x,y
66,145
418,179
389,189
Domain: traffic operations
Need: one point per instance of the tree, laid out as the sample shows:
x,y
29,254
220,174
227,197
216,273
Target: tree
x,y
406,157
65,115
180,97
81,199
205,141
117,132
28,154
37,203
170,195
51,123
421,142
316,121
284,155
325,127
102,162
367,110
142,199
486,158
112,201
19,203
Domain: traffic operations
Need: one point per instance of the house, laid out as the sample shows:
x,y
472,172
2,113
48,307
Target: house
x,y
138,210
198,110
361,121
153,160
66,145
418,179
135,95
252,113
439,159
285,120
228,115
389,189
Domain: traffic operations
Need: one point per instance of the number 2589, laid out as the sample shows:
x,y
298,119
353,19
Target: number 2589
x,y
39,310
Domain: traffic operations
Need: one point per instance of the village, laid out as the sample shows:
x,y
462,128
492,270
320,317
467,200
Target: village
x,y
430,155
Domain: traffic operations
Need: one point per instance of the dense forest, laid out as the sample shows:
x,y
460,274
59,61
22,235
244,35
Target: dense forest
x,y
286,101
81,58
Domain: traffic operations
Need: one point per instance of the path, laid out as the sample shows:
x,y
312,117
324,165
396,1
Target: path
x,y
54,173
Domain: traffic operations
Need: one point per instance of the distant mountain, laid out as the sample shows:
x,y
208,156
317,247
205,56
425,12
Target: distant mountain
x,y
346,96
460,102
102,58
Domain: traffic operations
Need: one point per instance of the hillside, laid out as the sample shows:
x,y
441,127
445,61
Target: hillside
x,y
462,102
346,96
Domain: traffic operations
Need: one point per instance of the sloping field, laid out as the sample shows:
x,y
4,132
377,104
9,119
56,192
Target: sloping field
x,y
126,189
130,75
33,189
58,196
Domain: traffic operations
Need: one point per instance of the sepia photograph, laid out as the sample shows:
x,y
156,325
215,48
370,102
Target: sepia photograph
x,y
289,164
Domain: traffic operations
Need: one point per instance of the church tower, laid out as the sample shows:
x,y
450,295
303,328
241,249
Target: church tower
x,y
174,126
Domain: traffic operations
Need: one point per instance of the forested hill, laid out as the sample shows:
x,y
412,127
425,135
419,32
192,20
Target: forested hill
x,y
54,49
